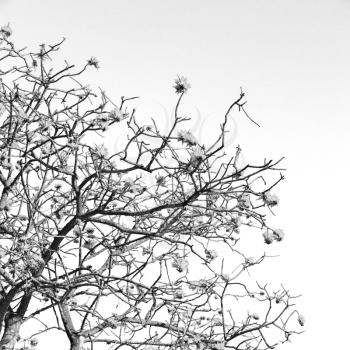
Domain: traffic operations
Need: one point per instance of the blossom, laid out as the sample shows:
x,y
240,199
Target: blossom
x,y
236,221
301,320
278,234
249,261
268,237
255,316
244,201
103,123
197,155
220,345
270,199
146,251
216,322
34,263
92,61
179,294
180,264
160,179
185,136
22,217
117,114
211,254
101,151
34,342
5,204
46,148
181,85
6,30
130,184
22,115
278,299
90,243
200,285
90,230
45,125
73,302
77,230
5,160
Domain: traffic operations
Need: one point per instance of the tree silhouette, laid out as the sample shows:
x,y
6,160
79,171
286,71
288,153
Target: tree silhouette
x,y
138,248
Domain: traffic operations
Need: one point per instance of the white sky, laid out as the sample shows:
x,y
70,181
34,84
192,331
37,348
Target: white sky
x,y
292,57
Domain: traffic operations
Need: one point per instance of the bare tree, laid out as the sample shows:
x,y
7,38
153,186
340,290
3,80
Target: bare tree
x,y
138,248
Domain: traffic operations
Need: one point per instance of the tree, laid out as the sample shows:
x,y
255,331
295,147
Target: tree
x,y
122,248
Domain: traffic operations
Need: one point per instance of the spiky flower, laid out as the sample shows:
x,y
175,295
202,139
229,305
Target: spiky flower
x,y
220,345
100,151
34,342
211,254
34,263
255,316
90,243
6,30
179,293
216,322
278,234
181,85
244,201
160,179
5,204
270,199
249,261
268,237
301,320
93,62
117,114
180,264
197,156
130,185
185,136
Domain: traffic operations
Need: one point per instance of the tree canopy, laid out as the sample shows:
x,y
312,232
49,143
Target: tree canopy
x,y
132,248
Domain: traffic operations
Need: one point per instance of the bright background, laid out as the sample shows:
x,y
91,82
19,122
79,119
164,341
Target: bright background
x,y
292,58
